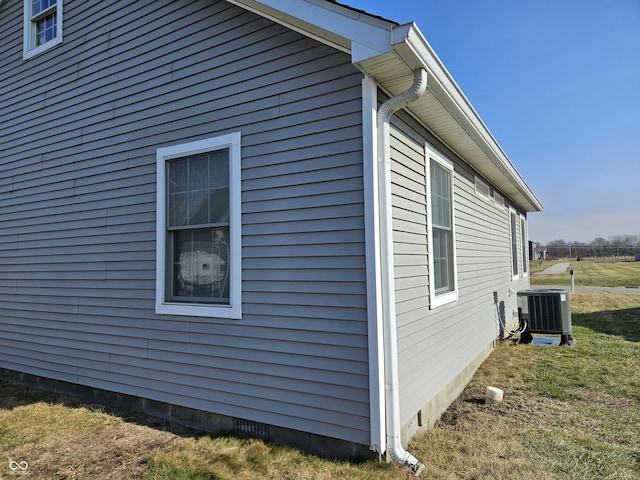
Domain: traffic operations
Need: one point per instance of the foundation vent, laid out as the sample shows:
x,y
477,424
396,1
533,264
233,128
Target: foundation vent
x,y
251,429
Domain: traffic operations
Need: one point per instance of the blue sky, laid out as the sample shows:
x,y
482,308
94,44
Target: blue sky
x,y
557,82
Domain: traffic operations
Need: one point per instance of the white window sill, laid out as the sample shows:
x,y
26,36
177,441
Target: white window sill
x,y
443,299
189,310
34,52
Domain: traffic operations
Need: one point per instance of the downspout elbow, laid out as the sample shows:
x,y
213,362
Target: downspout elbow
x,y
406,459
391,106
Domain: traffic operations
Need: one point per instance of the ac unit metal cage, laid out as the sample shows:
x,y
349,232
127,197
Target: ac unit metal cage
x,y
546,311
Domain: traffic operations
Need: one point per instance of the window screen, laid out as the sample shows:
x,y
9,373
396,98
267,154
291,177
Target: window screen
x,y
198,227
514,244
442,229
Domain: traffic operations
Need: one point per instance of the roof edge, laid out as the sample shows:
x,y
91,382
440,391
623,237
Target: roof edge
x,y
409,42
366,37
329,22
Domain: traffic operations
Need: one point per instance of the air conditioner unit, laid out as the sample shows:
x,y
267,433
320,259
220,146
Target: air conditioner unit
x,y
545,311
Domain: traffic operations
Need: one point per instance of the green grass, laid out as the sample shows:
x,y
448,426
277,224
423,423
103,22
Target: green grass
x,y
605,360
568,413
229,458
591,273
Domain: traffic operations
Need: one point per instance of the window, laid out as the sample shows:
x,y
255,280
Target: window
x,y
524,245
198,228
514,245
443,287
483,189
42,26
498,200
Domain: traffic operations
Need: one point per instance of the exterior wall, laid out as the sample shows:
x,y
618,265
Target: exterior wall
x,y
438,346
81,124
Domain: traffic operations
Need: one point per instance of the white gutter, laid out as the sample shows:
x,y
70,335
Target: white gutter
x,y
394,445
409,43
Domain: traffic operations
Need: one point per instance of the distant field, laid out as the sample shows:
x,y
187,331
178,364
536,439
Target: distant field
x,y
591,273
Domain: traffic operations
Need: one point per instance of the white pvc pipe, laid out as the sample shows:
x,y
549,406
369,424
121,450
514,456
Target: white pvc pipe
x,y
572,281
394,445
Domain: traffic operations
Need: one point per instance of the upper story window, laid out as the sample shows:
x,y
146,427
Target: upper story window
x,y
443,282
524,244
198,228
483,189
514,243
42,26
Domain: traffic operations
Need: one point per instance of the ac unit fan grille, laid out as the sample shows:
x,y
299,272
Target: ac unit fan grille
x,y
544,314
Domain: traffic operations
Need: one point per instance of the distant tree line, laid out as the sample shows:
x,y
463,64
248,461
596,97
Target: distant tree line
x,y
616,246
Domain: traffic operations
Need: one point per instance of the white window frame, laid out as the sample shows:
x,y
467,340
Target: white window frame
x,y
29,44
481,186
163,155
437,300
524,247
513,241
498,200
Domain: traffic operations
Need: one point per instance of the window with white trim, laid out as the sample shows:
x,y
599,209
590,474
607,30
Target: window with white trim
x,y
482,189
498,200
198,228
42,26
524,245
514,243
443,284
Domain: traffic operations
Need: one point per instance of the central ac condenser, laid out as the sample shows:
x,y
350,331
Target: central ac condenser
x,y
546,311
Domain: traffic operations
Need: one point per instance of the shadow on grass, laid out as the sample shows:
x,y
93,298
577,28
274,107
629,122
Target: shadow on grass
x,y
253,448
128,449
13,395
623,323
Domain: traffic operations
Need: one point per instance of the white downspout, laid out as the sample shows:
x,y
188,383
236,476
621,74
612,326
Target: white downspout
x,y
394,445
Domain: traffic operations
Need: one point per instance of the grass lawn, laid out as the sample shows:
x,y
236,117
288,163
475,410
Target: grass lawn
x,y
568,413
590,273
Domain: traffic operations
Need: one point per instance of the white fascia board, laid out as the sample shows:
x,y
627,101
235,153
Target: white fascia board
x,y
362,35
409,43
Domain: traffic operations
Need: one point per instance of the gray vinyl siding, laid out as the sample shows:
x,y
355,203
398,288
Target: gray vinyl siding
x,y
435,345
80,128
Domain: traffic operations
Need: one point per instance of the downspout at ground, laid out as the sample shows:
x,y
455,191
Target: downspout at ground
x,y
392,395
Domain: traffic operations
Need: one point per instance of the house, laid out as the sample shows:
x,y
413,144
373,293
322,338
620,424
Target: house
x,y
540,253
249,215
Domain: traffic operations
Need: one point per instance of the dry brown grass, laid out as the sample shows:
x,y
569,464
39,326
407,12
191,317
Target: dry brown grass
x,y
65,440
